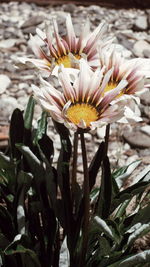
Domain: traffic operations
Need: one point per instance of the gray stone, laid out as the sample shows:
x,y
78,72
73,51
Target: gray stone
x,y
145,98
124,41
28,30
136,138
141,23
9,102
146,112
69,8
146,129
4,83
144,152
7,43
139,48
33,21
146,53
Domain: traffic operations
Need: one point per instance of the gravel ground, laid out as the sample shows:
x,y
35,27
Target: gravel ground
x,y
131,29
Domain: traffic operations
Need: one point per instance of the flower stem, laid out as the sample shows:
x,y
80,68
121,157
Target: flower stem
x,y
86,202
74,165
107,138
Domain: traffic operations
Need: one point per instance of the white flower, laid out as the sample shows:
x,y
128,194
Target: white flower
x,y
67,50
133,71
82,104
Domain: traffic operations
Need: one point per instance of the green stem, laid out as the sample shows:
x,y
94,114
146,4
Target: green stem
x,y
85,229
74,165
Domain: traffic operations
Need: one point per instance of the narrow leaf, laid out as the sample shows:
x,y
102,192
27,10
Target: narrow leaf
x,y
41,128
5,162
46,145
143,216
143,176
28,117
6,223
128,193
104,227
22,250
95,165
23,185
126,173
34,163
140,231
16,132
142,257
105,194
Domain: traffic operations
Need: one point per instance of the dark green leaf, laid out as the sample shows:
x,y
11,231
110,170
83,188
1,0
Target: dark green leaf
x,y
122,209
143,216
105,194
94,195
4,242
41,128
23,185
6,223
123,173
140,230
142,257
64,179
95,165
104,227
46,145
50,177
19,249
28,117
16,132
34,163
62,130
6,162
128,193
143,176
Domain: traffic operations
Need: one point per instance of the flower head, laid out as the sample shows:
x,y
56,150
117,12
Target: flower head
x,y
130,70
69,49
81,104
133,71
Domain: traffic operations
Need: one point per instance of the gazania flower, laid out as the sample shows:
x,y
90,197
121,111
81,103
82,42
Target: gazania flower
x,y
132,70
81,104
123,69
69,49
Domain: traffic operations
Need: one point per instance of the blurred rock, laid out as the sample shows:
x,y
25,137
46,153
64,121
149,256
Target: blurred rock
x,y
139,48
9,102
33,21
146,53
141,23
124,41
7,43
28,30
145,98
136,138
69,8
4,83
146,129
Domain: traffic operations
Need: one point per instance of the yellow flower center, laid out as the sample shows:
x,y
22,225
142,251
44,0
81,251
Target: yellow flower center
x,y
66,60
78,112
110,86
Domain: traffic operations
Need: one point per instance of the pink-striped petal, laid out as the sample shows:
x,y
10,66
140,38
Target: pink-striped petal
x,y
111,95
66,84
37,49
71,37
